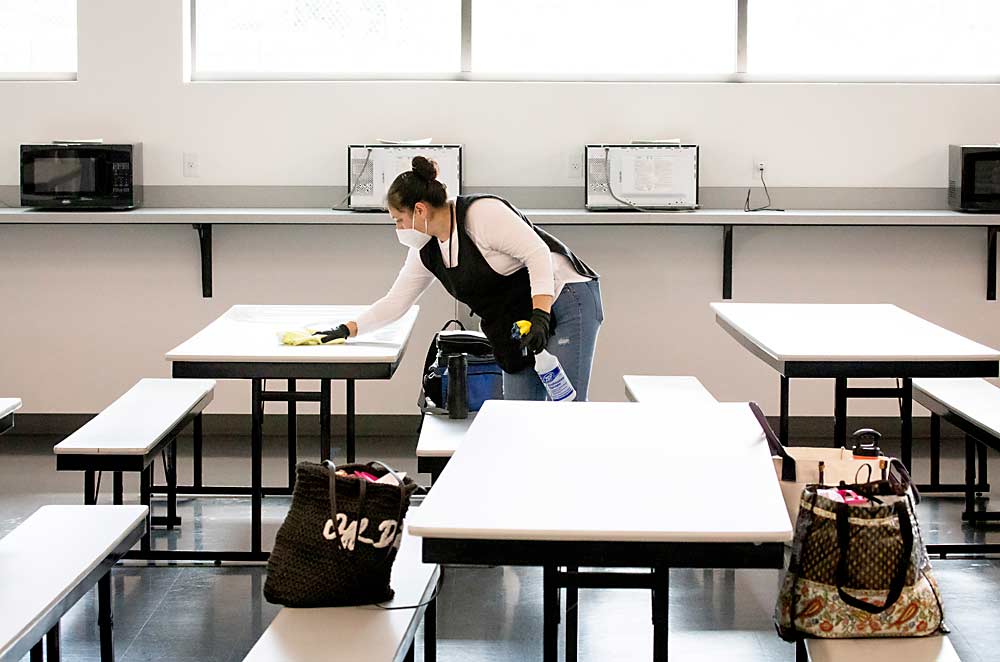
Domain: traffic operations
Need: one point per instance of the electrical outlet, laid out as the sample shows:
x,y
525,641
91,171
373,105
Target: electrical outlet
x,y
190,164
574,168
758,167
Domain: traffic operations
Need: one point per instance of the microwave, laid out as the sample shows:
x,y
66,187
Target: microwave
x,y
371,169
974,177
81,176
641,177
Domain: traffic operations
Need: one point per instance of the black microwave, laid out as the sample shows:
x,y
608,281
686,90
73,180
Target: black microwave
x,y
974,177
81,176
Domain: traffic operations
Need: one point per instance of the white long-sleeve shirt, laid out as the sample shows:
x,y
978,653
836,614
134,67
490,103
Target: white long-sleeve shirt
x,y
506,242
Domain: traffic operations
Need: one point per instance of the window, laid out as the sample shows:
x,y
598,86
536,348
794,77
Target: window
x,y
594,37
874,38
240,38
37,39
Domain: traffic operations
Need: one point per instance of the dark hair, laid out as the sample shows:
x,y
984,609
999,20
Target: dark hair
x,y
417,185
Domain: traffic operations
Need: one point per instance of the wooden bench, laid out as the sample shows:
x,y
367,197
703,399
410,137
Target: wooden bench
x,y
130,433
369,633
912,649
652,388
972,406
52,560
7,408
439,438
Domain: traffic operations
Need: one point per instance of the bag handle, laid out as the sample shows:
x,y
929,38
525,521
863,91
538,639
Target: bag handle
x,y
773,443
899,577
450,322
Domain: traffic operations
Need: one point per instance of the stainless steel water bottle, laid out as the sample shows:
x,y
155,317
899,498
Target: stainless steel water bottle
x,y
458,386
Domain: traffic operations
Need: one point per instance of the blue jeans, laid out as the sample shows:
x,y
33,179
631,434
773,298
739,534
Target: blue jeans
x,y
577,313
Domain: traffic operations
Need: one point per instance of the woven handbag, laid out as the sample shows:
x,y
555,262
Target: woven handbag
x,y
338,542
858,570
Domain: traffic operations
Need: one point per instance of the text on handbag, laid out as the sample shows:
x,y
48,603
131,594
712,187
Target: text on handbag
x,y
350,532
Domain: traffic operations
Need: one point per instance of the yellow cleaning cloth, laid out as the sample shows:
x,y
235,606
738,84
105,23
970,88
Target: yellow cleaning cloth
x,y
306,337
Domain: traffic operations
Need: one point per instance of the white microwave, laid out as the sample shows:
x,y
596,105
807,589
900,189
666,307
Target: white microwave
x,y
641,176
371,169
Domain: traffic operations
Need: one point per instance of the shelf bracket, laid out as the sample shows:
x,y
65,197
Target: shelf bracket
x,y
727,261
205,239
991,263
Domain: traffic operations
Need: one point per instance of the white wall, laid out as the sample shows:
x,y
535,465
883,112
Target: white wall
x,y
89,310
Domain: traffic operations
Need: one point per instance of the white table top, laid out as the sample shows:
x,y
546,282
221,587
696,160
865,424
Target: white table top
x,y
9,406
541,471
847,332
350,633
134,423
669,389
44,558
975,399
440,435
248,333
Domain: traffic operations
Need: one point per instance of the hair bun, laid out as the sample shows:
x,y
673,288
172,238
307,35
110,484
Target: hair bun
x,y
424,168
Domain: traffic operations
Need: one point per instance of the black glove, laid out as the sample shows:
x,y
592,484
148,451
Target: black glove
x,y
340,333
538,337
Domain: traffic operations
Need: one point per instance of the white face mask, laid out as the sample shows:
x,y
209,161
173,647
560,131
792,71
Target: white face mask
x,y
412,237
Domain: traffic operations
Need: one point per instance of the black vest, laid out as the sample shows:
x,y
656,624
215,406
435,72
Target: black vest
x,y
498,300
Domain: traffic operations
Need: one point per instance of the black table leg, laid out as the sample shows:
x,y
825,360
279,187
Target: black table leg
x,y
430,631
118,489
984,478
37,653
52,644
197,450
145,486
105,618
935,450
970,477
906,431
324,420
171,471
293,434
256,460
550,614
572,618
783,432
350,420
89,488
661,611
840,412
410,657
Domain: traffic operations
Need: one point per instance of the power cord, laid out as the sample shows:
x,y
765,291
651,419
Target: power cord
x,y
629,203
354,187
766,207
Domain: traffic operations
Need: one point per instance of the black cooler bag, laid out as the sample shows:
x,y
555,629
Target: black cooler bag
x,y
339,540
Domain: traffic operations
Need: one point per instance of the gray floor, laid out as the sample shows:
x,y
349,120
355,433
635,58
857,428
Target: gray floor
x,y
216,613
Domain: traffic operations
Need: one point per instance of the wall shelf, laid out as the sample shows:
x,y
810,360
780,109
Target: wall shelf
x,y
202,219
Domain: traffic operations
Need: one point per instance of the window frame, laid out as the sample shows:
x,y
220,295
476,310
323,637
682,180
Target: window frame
x,y
739,74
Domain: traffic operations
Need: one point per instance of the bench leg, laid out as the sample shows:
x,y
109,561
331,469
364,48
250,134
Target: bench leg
x,y
935,450
430,631
105,620
324,420
550,614
293,434
197,450
118,489
256,460
89,488
840,412
572,617
351,432
52,644
37,653
783,397
145,485
661,611
170,469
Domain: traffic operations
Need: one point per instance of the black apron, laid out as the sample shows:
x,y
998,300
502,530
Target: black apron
x,y
498,300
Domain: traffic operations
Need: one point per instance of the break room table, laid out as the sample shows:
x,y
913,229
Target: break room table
x,y
7,408
608,485
841,341
244,343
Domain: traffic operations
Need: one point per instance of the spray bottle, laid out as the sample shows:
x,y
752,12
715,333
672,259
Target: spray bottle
x,y
548,368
